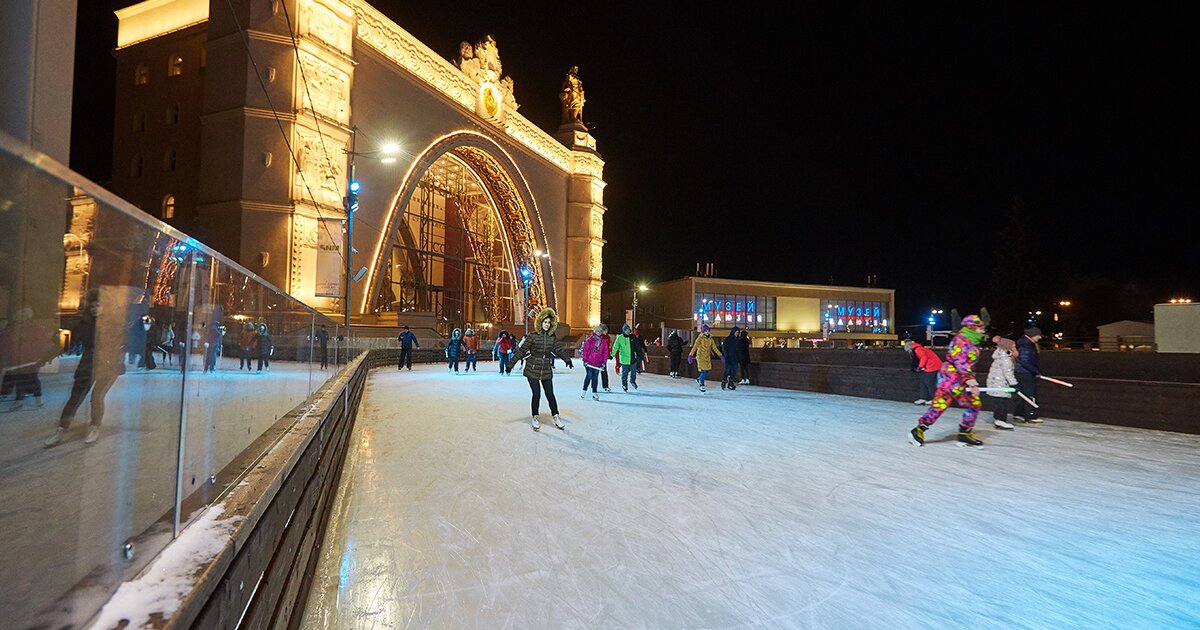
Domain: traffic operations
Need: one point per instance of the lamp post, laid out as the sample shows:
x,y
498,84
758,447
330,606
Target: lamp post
x,y
527,279
640,287
351,206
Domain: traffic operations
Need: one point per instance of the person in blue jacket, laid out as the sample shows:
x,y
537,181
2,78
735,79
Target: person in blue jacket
x,y
455,348
407,339
1027,374
731,350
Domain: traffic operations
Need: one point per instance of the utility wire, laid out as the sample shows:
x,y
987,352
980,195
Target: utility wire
x,y
282,131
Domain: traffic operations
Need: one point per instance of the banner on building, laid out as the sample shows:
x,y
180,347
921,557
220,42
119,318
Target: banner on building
x,y
329,259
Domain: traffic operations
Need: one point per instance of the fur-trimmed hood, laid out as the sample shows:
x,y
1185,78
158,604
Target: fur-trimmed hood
x,y
547,313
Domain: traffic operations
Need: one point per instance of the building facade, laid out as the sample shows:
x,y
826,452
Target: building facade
x,y
241,127
774,313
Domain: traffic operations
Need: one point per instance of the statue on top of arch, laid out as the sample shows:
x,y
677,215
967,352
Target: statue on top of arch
x,y
481,63
572,98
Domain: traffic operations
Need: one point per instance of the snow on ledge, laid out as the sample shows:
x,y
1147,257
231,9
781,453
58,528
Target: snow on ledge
x,y
164,584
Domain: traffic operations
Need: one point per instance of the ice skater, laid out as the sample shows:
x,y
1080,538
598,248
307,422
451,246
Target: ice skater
x,y
406,339
594,352
472,344
98,369
503,349
675,346
1000,376
622,349
703,351
537,348
927,364
454,350
732,347
744,356
1027,371
956,383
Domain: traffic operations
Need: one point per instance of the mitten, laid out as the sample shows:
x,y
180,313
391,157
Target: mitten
x,y
691,358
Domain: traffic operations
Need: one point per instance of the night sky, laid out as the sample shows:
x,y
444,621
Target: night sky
x,y
823,144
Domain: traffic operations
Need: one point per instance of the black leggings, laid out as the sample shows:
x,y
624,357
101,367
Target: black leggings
x,y
536,386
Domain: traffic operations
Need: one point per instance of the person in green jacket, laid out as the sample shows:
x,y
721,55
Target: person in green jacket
x,y
622,348
539,347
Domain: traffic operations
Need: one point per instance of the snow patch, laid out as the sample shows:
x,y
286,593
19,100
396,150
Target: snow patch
x,y
163,585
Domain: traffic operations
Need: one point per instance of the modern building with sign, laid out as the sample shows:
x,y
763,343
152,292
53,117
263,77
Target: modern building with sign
x,y
775,313
241,121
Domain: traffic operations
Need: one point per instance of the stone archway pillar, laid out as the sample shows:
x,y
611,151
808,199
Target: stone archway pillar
x,y
585,229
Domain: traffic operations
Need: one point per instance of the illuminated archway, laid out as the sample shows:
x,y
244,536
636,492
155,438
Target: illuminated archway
x,y
507,192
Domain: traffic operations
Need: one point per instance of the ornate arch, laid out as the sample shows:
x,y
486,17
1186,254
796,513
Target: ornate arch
x,y
509,193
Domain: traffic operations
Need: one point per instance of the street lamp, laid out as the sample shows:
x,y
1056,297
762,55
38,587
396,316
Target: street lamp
x,y
351,203
640,287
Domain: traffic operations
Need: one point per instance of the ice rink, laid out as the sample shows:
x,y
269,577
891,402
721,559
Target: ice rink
x,y
758,508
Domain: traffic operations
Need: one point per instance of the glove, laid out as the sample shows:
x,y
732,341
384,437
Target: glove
x,y
973,387
569,364
691,358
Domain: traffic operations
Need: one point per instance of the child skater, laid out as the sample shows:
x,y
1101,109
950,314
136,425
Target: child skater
x,y
595,355
1003,374
956,383
539,347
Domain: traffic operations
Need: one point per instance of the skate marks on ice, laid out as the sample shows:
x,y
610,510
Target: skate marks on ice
x,y
789,512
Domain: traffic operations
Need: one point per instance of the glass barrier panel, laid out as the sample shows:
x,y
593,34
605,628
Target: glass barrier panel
x,y
91,394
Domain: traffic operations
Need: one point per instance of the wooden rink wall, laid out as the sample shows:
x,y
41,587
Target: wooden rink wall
x,y
1132,389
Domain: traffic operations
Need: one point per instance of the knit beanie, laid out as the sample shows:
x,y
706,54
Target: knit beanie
x,y
704,328
1033,331
1005,344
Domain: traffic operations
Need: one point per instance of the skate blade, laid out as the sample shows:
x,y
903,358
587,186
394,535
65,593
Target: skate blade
x,y
978,447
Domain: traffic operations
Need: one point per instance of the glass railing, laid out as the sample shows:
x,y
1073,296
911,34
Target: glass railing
x,y
142,374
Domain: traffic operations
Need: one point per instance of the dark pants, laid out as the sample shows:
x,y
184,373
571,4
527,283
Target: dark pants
x,y
675,357
745,367
536,386
926,385
324,356
264,360
472,362
148,358
730,375
504,357
628,374
405,358
26,384
1004,407
452,362
84,382
1026,384
245,360
592,376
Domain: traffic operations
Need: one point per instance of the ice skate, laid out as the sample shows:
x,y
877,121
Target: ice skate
x,y
583,394
1033,420
723,385
634,386
1000,424
702,390
93,434
558,424
920,401
626,388
732,386
966,437
607,390
595,396
53,440
917,435
537,426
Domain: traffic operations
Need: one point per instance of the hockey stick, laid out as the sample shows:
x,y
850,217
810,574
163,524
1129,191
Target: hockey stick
x,y
1055,381
1028,400
1006,390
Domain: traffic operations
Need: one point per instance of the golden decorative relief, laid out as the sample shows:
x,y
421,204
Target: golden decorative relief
x,y
587,164
322,174
329,88
325,24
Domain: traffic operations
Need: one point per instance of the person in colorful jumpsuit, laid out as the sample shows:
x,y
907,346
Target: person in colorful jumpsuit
x,y
956,383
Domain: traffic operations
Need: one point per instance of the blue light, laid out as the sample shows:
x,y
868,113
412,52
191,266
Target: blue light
x,y
355,186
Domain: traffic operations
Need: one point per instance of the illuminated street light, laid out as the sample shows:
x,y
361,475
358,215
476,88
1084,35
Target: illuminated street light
x,y
1064,303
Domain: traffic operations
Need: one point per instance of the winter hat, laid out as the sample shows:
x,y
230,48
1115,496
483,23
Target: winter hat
x,y
625,328
704,328
470,331
1005,344
971,321
1033,331
599,329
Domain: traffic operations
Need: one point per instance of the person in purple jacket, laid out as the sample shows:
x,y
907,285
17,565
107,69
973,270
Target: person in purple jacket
x,y
594,351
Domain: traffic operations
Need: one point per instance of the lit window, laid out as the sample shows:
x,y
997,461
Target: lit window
x,y
172,116
135,166
169,159
168,207
175,65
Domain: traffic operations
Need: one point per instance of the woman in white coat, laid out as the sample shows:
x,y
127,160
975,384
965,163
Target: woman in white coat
x,y
1003,374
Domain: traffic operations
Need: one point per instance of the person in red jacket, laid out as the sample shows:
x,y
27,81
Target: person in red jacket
x,y
926,363
503,349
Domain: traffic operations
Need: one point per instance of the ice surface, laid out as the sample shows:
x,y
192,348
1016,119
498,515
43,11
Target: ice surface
x,y
757,508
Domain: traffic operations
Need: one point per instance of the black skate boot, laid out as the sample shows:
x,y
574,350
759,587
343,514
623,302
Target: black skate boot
x,y
966,437
917,435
